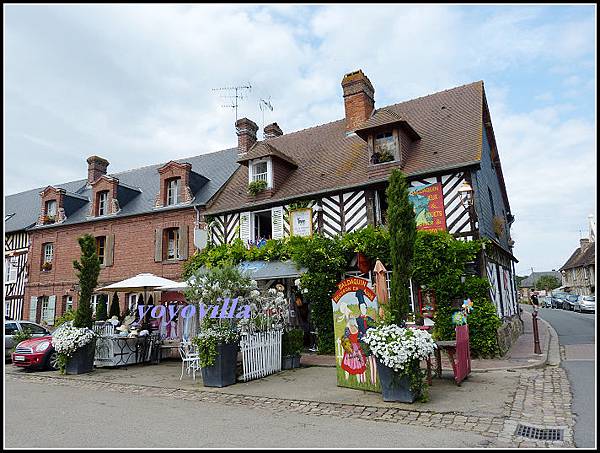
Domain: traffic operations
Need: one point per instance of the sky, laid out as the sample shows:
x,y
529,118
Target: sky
x,y
135,84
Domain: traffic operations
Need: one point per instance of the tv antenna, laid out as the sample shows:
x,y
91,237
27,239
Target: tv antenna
x,y
235,94
264,105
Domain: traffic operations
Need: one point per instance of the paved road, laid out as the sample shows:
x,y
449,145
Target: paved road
x,y
577,337
48,416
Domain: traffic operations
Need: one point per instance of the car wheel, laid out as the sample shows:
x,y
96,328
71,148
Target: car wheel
x,y
52,361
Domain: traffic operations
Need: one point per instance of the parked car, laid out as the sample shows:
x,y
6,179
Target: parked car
x,y
585,303
11,327
36,353
547,302
569,301
557,299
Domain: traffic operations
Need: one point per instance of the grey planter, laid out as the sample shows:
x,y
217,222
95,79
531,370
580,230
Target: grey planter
x,y
393,386
222,373
82,360
289,362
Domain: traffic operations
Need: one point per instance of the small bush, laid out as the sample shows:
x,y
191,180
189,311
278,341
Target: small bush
x,y
20,336
292,342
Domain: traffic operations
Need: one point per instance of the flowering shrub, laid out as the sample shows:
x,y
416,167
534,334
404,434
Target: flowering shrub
x,y
67,339
268,310
396,347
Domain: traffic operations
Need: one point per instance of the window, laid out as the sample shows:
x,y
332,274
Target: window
x,y
47,311
101,248
68,303
260,171
261,226
131,304
103,202
172,243
491,201
381,207
48,252
51,208
172,191
12,269
10,328
384,149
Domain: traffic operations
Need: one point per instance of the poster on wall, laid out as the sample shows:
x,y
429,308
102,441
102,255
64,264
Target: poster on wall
x,y
428,203
355,310
301,224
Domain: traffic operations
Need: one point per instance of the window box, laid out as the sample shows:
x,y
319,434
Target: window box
x,y
46,266
256,187
48,219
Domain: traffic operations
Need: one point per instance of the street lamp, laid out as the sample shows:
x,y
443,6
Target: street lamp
x,y
465,192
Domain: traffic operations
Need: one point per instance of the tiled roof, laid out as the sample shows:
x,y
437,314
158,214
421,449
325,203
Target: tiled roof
x,y
217,167
263,149
531,281
583,256
382,117
449,124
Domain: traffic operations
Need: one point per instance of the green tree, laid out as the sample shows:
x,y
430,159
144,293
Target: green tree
x,y
88,269
547,282
114,306
101,313
403,230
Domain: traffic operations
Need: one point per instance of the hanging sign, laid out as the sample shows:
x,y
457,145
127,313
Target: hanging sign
x,y
301,222
428,203
355,311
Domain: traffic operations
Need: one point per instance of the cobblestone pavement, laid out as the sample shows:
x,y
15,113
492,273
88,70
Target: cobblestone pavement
x,y
542,399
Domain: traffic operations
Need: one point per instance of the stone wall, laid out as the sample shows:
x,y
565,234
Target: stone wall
x,y
508,334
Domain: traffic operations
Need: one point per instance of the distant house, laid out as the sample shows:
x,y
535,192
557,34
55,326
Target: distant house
x,y
578,273
529,283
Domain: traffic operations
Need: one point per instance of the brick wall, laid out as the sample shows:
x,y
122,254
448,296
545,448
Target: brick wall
x,y
134,253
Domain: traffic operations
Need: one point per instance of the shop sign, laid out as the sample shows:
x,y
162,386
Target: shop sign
x,y
428,203
301,222
355,310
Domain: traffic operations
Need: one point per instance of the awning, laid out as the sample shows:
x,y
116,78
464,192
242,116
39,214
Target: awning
x,y
265,270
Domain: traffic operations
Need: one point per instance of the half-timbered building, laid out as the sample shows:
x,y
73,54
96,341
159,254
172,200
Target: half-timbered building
x,y
331,178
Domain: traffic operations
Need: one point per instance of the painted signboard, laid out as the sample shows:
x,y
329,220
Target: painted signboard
x,y
428,203
355,311
301,224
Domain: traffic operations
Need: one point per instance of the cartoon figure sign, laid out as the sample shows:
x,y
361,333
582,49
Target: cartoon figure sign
x,y
428,203
355,311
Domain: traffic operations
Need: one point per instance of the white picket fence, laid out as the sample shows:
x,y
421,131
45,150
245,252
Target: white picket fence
x,y
261,354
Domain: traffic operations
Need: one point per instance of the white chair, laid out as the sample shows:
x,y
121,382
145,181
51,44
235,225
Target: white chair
x,y
190,360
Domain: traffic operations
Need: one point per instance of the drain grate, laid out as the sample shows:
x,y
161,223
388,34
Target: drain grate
x,y
539,433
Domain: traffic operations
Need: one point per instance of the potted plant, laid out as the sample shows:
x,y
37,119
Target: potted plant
x,y
75,347
385,156
46,266
398,351
291,347
217,349
255,187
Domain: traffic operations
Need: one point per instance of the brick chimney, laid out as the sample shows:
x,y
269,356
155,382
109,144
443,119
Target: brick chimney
x,y
583,242
359,98
246,131
96,167
272,130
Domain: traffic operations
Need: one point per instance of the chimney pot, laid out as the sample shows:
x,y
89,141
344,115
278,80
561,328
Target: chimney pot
x,y
359,98
583,241
96,167
246,131
272,130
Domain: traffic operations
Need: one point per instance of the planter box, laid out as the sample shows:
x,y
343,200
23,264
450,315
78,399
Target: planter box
x,y
394,387
82,360
222,373
290,361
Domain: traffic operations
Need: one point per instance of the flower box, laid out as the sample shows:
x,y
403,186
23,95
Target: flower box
x,y
395,386
223,372
82,360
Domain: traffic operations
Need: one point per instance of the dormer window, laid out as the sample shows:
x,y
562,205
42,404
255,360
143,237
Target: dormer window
x,y
103,202
261,170
384,148
51,208
172,191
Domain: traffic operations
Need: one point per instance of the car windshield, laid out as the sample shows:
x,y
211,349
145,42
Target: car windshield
x,y
590,298
572,298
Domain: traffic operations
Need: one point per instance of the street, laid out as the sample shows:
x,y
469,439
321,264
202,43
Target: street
x,y
576,333
51,416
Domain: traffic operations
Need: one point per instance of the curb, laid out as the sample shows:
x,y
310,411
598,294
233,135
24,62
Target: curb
x,y
553,350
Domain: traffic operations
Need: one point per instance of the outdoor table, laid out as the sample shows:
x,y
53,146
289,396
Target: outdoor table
x,y
117,350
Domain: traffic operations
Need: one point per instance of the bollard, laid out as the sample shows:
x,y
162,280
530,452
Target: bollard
x,y
536,335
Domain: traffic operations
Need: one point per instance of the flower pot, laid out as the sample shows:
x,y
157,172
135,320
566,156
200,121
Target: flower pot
x,y
290,361
82,360
394,386
222,373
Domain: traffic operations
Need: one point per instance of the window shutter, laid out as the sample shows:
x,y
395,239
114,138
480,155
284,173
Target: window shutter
x,y
183,242
33,308
110,250
277,222
158,243
51,310
245,227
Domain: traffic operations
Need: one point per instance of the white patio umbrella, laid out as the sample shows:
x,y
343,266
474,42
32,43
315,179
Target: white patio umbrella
x,y
141,282
178,286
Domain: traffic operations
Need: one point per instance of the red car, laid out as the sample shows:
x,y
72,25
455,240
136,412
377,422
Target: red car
x,y
36,354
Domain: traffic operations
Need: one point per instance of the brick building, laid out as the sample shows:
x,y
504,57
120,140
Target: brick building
x,y
144,220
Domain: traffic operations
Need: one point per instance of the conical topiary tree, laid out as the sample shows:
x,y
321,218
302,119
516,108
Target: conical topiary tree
x,y
88,269
114,306
403,232
101,313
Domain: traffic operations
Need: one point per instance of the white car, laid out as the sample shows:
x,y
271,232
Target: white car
x,y
585,303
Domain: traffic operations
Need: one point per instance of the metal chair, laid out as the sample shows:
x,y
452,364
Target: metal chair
x,y
190,359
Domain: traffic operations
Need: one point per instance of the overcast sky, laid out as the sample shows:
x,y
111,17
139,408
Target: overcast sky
x,y
133,84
